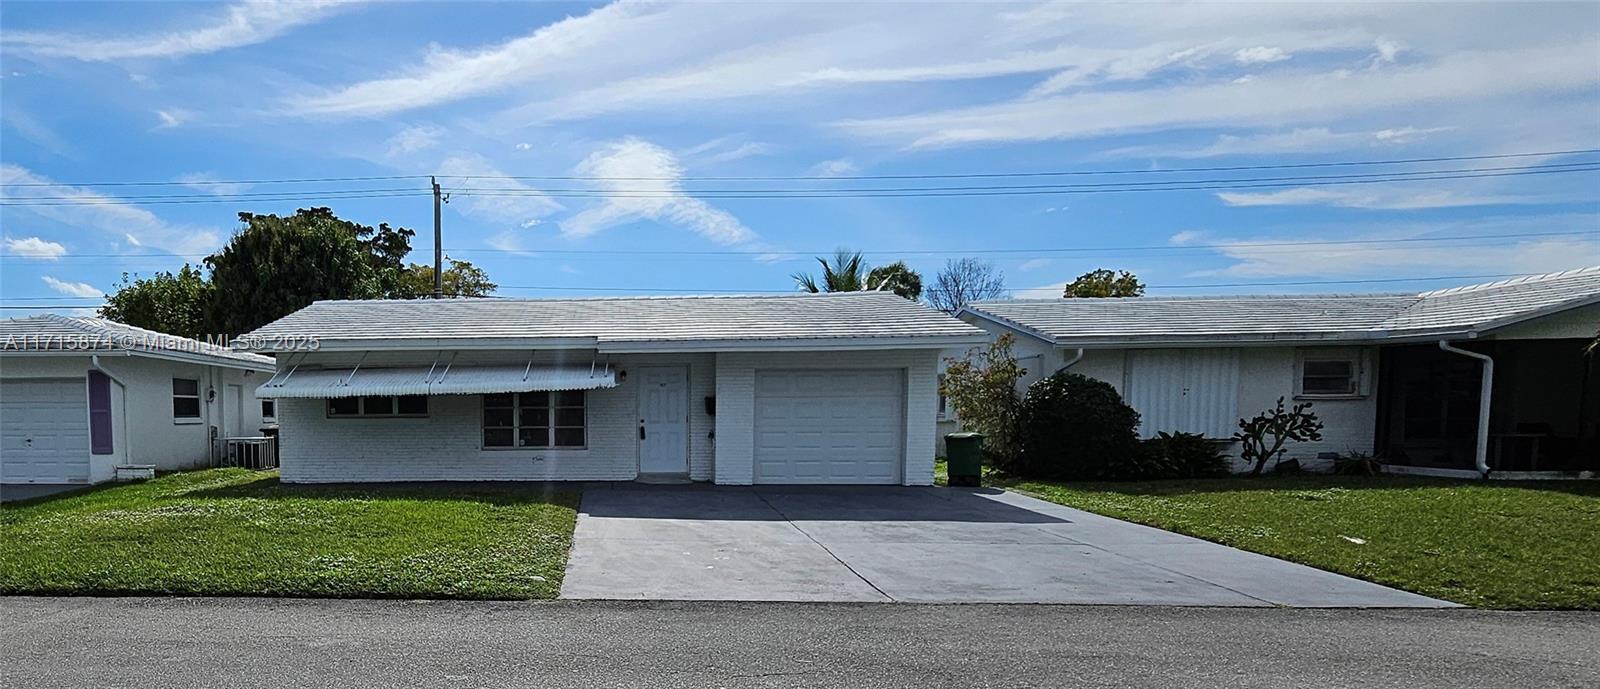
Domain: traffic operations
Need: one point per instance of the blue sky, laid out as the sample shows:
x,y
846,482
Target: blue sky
x,y
193,93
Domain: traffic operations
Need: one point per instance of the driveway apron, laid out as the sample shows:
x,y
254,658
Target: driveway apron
x,y
925,545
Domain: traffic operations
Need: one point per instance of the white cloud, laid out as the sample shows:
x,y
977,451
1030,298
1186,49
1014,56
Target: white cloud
x,y
1259,55
744,150
1250,260
1034,264
631,56
95,211
838,167
1267,101
524,146
1185,237
657,196
1299,140
412,140
522,205
173,117
1406,135
1387,49
34,247
245,23
1397,197
209,183
73,289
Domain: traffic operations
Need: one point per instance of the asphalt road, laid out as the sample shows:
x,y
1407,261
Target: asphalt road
x,y
164,642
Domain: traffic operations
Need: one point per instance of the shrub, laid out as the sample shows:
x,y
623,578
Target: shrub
x,y
1076,427
1357,464
1188,455
1265,436
983,390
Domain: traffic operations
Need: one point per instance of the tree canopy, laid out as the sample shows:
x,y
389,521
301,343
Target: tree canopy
x,y
276,265
1105,283
847,271
461,279
965,280
172,303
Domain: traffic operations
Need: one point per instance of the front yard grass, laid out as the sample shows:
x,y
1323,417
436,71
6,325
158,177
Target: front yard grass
x,y
1529,545
238,532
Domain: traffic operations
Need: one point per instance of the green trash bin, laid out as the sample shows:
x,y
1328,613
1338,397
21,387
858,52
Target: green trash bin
x,y
964,458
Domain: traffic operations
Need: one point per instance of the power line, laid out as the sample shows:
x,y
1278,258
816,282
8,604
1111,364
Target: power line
x,y
845,193
289,195
931,252
962,175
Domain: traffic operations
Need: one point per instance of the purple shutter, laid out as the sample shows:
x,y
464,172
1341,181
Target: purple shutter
x,y
99,414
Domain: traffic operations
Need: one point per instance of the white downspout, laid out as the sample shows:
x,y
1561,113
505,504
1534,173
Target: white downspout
x,y
1075,359
127,455
1485,399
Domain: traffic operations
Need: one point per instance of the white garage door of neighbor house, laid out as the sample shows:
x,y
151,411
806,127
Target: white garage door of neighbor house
x,y
1189,390
844,427
44,431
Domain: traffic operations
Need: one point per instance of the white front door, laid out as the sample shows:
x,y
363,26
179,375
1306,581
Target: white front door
x,y
235,411
44,431
663,420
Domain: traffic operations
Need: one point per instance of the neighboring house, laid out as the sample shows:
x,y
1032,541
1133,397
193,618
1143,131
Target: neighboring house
x,y
830,388
82,396
1396,375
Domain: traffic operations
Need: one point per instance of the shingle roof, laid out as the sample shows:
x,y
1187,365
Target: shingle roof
x,y
841,320
1474,308
68,334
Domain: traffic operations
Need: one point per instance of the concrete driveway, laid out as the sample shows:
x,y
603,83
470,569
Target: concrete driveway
x,y
929,545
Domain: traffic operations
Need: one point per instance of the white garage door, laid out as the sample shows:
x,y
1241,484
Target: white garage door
x,y
1189,390
44,431
829,426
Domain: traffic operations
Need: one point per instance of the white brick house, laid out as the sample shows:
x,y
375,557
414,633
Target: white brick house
x,y
1401,376
80,397
833,388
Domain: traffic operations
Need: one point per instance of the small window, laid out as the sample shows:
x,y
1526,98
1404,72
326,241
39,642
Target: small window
x,y
1329,377
185,398
378,406
269,409
534,420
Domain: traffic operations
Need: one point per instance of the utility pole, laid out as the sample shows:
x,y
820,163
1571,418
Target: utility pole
x,y
438,244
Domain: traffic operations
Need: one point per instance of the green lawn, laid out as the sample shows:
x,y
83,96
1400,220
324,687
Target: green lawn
x,y
1533,545
237,532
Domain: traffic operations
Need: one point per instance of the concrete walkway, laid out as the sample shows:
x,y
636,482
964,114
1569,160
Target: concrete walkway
x,y
928,545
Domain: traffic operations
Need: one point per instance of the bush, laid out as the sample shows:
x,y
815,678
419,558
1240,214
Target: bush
x,y
982,387
1076,427
1188,455
1357,464
1264,437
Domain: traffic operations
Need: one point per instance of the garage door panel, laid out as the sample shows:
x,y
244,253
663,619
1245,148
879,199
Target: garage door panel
x,y
44,431
829,426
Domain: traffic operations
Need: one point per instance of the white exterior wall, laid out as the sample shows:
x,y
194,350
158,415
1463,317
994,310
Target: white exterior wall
x,y
143,428
735,463
447,444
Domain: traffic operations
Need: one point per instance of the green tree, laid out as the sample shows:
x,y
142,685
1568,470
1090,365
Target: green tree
x,y
983,390
1105,283
847,272
277,265
1264,437
461,279
896,277
172,303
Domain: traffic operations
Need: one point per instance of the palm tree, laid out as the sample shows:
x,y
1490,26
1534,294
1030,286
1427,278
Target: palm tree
x,y
847,273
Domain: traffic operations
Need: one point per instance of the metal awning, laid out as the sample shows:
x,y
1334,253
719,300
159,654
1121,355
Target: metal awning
x,y
433,380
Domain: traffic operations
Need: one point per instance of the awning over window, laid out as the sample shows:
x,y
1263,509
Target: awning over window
x,y
438,380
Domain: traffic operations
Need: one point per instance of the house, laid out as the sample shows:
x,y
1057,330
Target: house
x,y
824,389
1410,378
80,397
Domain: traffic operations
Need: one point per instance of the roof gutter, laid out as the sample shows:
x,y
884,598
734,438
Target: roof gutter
x,y
1485,400
1075,359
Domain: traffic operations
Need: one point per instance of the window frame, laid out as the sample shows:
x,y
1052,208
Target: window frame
x,y
552,404
362,413
199,402
1358,374
269,401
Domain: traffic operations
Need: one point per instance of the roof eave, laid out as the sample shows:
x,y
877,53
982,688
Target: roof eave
x,y
815,344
